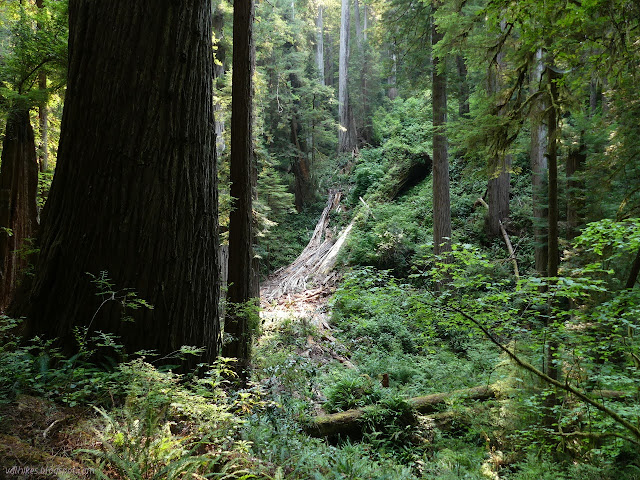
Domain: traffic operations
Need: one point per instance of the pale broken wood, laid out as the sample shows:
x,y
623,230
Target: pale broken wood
x,y
507,241
315,263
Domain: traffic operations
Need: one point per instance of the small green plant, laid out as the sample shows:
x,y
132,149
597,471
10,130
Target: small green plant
x,y
352,393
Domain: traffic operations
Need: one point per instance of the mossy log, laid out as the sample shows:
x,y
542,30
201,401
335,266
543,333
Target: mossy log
x,y
407,171
348,423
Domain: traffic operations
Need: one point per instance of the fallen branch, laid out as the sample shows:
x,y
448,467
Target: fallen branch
x,y
563,386
507,241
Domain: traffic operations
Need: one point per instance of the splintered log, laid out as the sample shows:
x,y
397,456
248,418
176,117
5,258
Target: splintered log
x,y
348,423
315,262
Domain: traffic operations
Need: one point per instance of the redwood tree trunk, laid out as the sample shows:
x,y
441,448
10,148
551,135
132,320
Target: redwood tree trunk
x,y
237,334
18,193
134,192
441,195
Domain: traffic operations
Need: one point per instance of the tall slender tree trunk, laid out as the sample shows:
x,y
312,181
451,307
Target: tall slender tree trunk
x,y
18,193
441,195
463,90
552,158
237,332
134,193
320,43
552,367
392,92
43,116
575,188
499,183
303,190
329,67
356,18
43,122
539,165
219,70
346,135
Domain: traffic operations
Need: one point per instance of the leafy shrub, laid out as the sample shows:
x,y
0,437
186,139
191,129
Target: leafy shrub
x,y
170,427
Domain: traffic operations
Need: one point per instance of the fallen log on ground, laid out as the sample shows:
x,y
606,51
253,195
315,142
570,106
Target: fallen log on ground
x,y
348,423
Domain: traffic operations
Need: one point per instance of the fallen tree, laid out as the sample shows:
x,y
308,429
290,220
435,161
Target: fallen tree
x,y
315,262
314,265
349,422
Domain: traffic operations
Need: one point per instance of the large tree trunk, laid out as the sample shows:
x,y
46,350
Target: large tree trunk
x,y
346,136
320,44
237,334
539,166
134,192
18,193
441,195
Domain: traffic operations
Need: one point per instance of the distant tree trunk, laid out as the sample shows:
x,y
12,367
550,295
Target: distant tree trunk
x,y
346,136
575,189
237,333
552,158
303,183
134,192
365,22
356,15
463,91
551,360
320,43
594,96
43,119
499,183
539,166
219,70
18,193
441,195
392,92
329,65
